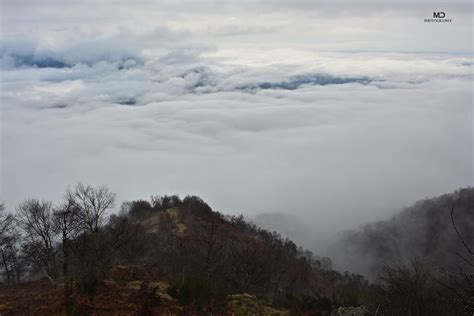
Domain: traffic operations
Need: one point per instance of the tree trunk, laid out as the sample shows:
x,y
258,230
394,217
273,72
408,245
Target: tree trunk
x,y
65,258
7,271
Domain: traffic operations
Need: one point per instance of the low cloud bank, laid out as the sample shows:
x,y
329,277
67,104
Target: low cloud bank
x,y
336,138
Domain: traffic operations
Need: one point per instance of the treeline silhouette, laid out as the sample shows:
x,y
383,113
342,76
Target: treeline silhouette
x,y
178,256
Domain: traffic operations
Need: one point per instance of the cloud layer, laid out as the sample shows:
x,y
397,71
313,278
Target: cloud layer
x,y
248,115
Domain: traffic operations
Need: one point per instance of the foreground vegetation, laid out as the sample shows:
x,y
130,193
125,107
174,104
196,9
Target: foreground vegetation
x,y
178,256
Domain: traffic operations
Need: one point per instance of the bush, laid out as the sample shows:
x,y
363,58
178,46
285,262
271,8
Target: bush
x,y
409,290
199,294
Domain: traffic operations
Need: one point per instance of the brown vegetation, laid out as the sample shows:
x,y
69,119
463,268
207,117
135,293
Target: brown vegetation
x,y
178,256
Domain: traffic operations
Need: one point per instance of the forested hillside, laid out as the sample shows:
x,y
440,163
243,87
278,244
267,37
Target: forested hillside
x,y
176,256
424,230
166,255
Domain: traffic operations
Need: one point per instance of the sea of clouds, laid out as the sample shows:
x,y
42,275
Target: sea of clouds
x,y
335,138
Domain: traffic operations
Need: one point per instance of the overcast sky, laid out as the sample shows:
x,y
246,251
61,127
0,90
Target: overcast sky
x,y
339,111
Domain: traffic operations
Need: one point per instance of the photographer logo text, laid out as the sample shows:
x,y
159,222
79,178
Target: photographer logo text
x,y
439,17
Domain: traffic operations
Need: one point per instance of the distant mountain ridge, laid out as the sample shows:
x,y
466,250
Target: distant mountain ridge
x,y
423,230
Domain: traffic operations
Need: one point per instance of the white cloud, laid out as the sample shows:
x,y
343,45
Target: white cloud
x,y
254,117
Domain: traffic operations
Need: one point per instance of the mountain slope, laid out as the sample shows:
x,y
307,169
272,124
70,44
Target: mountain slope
x,y
423,230
178,256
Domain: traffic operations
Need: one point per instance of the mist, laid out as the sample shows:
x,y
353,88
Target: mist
x,y
273,116
185,157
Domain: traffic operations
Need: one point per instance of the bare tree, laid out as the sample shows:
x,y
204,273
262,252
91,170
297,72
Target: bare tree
x,y
126,237
13,262
93,204
11,259
6,224
210,246
66,224
86,216
35,218
249,270
410,289
464,243
6,227
462,281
